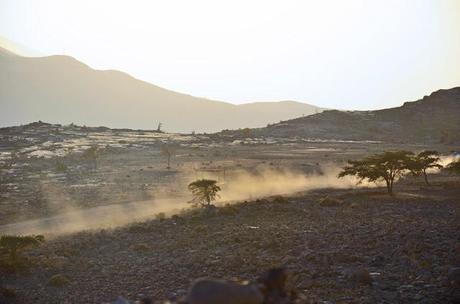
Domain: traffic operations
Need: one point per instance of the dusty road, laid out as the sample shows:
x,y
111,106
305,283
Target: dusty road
x,y
108,216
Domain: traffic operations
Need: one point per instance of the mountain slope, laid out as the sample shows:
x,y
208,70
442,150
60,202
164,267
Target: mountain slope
x,y
6,52
61,89
435,118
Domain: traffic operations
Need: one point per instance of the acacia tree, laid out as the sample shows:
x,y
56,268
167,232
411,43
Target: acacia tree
x,y
420,163
454,167
204,192
387,166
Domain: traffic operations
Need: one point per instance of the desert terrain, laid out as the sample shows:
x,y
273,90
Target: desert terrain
x,y
229,152
119,225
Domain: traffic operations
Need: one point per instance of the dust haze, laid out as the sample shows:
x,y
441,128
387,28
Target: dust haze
x,y
266,181
239,185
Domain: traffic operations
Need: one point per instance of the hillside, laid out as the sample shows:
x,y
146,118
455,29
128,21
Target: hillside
x,y
60,89
434,118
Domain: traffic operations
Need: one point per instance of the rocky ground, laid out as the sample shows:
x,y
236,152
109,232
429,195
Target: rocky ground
x,y
44,171
357,246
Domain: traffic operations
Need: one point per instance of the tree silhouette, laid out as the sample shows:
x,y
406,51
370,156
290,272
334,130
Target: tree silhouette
x,y
204,192
420,163
387,166
454,167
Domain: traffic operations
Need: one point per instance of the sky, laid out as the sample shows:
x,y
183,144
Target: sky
x,y
356,55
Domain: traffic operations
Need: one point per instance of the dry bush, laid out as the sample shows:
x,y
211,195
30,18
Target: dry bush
x,y
12,248
201,228
330,202
141,247
160,216
280,200
7,292
228,209
60,167
58,280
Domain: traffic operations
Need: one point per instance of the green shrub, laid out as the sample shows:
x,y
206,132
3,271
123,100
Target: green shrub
x,y
12,247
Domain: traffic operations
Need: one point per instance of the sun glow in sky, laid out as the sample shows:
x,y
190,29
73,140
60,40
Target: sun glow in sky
x,y
335,54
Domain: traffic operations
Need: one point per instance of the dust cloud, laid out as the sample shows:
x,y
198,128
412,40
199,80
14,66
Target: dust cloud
x,y
265,182
238,185
447,159
101,217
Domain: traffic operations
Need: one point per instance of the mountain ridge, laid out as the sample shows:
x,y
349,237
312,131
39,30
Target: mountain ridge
x,y
433,118
61,89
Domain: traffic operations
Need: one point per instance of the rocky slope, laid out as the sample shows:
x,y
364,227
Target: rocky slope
x,y
434,118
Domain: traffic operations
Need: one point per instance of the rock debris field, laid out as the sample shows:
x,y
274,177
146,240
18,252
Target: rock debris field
x,y
364,246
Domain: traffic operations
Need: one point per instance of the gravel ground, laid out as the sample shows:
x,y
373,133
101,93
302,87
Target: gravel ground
x,y
372,248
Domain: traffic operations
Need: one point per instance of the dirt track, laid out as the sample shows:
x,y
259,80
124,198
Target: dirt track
x,y
108,216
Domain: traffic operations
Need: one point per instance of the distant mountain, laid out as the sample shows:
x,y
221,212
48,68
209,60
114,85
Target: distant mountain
x,y
6,52
434,118
13,47
60,89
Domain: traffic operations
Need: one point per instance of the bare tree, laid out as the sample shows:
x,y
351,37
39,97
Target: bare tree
x,y
168,151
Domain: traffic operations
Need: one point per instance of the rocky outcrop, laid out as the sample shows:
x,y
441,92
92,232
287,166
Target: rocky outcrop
x,y
432,119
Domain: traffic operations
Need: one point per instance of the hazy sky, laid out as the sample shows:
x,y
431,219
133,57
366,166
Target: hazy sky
x,y
336,54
